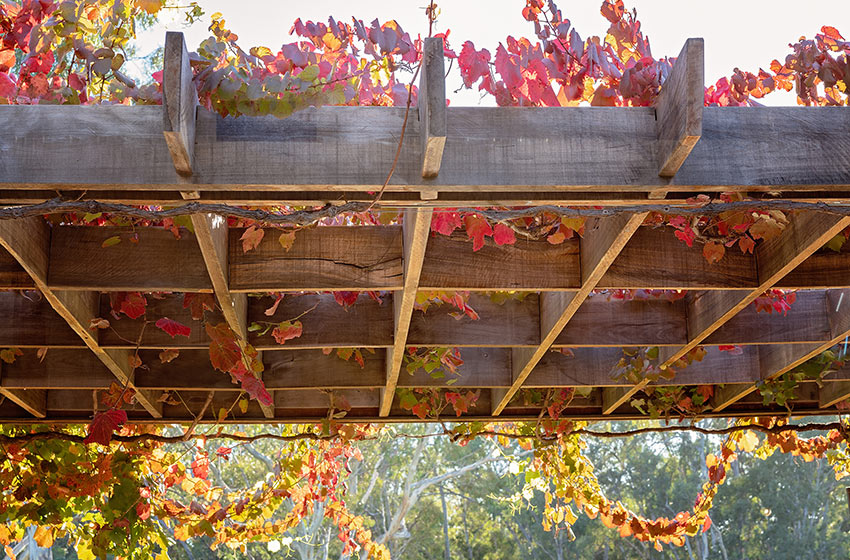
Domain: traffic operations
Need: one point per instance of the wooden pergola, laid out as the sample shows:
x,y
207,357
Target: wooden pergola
x,y
451,157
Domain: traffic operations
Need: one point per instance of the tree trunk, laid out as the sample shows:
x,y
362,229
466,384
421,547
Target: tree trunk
x,y
447,547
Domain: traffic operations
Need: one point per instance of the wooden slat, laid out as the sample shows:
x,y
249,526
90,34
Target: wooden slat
x,y
156,261
179,101
451,264
417,227
29,241
487,149
12,275
602,242
679,108
432,105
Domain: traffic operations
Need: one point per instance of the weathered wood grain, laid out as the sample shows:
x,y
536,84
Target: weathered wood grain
x,y
487,148
325,323
451,264
512,323
679,107
157,261
661,261
324,258
12,275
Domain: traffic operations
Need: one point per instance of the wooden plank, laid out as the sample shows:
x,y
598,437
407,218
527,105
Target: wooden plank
x,y
34,401
602,242
325,323
451,264
600,322
60,369
124,332
12,275
487,149
416,227
29,241
654,258
179,102
432,105
156,261
32,322
310,398
511,323
679,107
369,257
807,232
324,258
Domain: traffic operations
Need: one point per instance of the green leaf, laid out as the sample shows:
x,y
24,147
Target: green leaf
x,y
114,240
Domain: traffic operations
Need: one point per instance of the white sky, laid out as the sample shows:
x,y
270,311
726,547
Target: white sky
x,y
738,33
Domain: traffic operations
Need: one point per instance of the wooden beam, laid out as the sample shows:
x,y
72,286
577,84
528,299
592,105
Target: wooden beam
x,y
146,259
212,234
602,242
679,108
326,258
370,258
488,149
28,240
417,228
432,106
179,103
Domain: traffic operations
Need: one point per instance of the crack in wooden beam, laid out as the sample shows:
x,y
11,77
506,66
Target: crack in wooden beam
x,y
416,229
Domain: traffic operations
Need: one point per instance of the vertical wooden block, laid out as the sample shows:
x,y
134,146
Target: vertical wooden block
x,y
179,102
432,106
678,108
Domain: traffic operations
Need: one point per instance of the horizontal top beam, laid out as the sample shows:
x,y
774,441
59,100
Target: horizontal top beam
x,y
487,149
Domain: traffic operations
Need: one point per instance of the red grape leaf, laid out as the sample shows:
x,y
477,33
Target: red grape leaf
x,y
477,229
173,328
503,235
287,330
103,425
251,238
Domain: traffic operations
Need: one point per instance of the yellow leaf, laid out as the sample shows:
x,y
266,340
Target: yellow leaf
x,y
748,441
44,537
243,405
286,240
150,6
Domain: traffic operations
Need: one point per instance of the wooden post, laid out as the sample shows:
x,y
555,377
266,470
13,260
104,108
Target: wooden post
x,y
603,240
179,102
416,228
432,106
